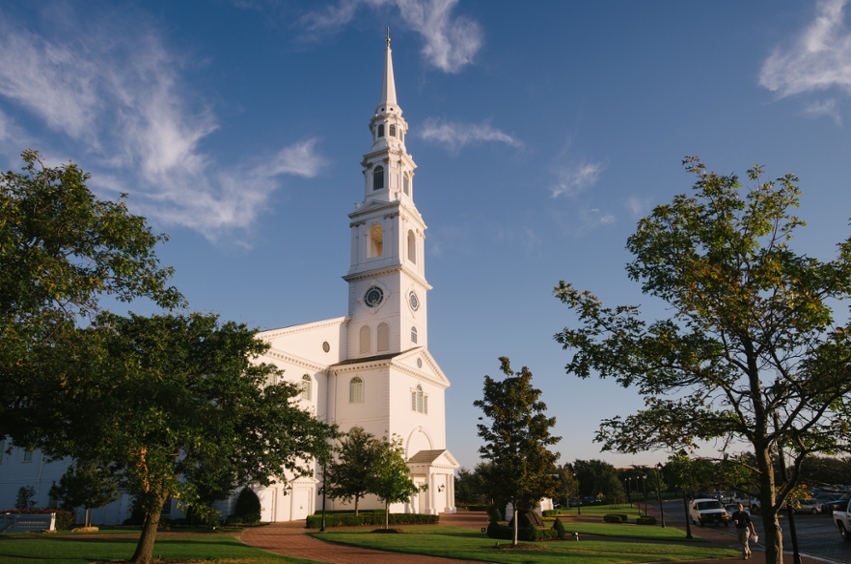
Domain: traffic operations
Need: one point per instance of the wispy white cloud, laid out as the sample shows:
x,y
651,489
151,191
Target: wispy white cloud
x,y
456,135
118,94
451,42
573,180
593,217
638,207
818,59
824,108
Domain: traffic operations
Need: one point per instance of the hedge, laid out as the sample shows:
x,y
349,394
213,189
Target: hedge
x,y
531,533
369,518
614,518
645,521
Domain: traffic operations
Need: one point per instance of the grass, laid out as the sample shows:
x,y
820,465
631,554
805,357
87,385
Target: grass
x,y
468,544
645,532
72,549
600,510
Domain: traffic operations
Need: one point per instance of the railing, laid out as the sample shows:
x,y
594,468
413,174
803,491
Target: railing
x,y
27,522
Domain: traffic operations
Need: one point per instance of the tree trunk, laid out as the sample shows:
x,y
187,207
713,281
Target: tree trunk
x,y
145,547
516,523
386,515
773,534
356,505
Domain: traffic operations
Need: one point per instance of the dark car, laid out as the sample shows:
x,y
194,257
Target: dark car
x,y
836,505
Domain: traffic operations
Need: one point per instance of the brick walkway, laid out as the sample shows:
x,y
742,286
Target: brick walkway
x,y
291,539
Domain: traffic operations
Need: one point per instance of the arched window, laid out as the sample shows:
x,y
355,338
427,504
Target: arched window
x,y
378,178
383,337
412,246
375,244
305,387
392,130
406,185
381,130
365,339
419,401
414,335
356,390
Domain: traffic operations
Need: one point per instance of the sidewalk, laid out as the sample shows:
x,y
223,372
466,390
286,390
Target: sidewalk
x,y
291,539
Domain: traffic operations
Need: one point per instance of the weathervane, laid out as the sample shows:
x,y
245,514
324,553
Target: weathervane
x,y
388,35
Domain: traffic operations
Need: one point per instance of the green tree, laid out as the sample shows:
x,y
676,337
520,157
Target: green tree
x,y
86,485
568,485
173,403
349,476
751,353
24,499
61,249
516,441
470,486
597,477
390,480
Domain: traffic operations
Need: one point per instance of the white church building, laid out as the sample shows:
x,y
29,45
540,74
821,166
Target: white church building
x,y
369,369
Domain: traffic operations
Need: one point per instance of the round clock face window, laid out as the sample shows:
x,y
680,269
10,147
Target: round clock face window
x,y
373,296
414,301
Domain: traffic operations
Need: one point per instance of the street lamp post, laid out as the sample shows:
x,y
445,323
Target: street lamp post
x,y
644,482
659,493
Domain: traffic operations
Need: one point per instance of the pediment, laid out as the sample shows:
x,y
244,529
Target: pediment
x,y
440,458
419,363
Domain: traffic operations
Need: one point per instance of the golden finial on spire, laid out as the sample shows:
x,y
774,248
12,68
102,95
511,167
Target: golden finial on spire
x,y
388,35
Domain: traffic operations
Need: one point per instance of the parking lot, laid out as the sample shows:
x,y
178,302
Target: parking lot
x,y
817,535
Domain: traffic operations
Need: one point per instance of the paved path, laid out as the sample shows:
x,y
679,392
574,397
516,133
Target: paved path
x,y
291,539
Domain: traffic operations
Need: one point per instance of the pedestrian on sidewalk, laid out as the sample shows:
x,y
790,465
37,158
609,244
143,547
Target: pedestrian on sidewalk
x,y
744,528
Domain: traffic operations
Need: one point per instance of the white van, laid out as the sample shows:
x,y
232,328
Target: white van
x,y
708,510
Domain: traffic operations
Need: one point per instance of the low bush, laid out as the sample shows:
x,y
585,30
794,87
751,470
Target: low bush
x,y
494,514
369,518
645,521
612,518
247,507
558,526
531,533
477,508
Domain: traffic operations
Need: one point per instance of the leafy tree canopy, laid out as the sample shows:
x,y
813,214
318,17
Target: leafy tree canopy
x,y
349,476
598,477
390,481
61,249
522,468
174,403
751,354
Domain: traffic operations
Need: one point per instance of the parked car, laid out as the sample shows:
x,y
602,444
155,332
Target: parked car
x,y
837,504
826,497
808,506
708,510
754,504
842,520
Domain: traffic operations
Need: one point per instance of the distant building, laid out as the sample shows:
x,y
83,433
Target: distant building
x,y
370,369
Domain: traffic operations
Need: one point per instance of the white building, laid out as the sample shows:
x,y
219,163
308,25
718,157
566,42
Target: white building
x,y
371,368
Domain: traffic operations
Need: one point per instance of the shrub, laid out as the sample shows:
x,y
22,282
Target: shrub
x,y
477,508
369,518
645,521
494,514
612,518
531,533
247,506
558,526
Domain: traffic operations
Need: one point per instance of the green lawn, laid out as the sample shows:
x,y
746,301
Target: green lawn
x,y
600,510
468,544
648,532
72,549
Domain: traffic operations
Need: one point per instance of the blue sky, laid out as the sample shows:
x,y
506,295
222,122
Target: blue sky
x,y
543,131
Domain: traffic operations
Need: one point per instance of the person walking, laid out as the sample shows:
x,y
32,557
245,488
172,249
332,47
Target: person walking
x,y
744,528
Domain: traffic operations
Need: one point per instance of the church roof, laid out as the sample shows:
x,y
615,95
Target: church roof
x,y
426,456
368,359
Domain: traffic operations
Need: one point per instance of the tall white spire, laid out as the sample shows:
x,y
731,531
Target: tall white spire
x,y
388,85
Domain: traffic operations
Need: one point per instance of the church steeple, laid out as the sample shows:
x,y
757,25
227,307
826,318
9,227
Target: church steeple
x,y
388,85
387,285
